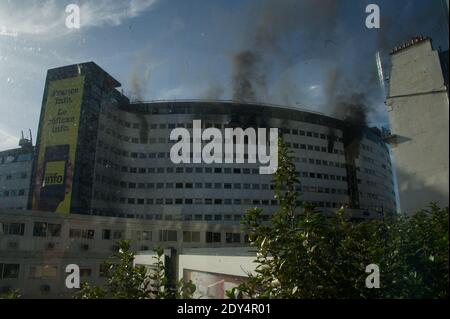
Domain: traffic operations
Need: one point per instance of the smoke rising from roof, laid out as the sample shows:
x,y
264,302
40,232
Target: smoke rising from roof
x,y
300,52
214,91
247,76
276,23
285,33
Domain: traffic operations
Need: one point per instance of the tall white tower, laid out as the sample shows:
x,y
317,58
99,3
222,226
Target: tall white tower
x,y
419,117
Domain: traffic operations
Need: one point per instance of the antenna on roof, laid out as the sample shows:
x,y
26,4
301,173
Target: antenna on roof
x,y
25,142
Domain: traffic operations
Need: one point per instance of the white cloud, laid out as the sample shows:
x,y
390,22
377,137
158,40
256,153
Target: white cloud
x,y
7,141
47,18
112,12
180,92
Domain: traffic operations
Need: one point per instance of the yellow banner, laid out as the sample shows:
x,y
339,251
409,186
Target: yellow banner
x,y
57,145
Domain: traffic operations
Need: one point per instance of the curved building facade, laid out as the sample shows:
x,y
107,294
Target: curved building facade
x,y
123,166
134,175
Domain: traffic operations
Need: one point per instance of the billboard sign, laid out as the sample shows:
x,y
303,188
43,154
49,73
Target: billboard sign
x,y
57,145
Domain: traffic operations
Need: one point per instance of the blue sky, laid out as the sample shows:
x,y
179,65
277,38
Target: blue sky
x,y
185,48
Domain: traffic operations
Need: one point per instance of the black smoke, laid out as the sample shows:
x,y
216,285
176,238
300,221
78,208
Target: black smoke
x,y
272,23
332,32
247,76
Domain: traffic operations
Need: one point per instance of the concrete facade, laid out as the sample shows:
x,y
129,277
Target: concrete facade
x,y
419,116
135,177
35,247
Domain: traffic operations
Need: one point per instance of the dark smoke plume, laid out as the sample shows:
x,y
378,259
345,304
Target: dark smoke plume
x,y
246,75
353,109
274,23
285,33
136,87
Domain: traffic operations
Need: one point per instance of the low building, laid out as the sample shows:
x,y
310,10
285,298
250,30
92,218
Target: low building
x,y
35,248
215,271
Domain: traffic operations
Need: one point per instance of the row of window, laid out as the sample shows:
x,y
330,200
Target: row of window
x,y
13,176
200,217
183,201
13,193
170,217
198,185
316,148
219,170
15,158
315,161
201,170
209,201
170,126
153,155
42,229
178,170
11,271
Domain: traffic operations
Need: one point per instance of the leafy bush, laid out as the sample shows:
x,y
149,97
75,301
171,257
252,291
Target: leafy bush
x,y
303,254
124,280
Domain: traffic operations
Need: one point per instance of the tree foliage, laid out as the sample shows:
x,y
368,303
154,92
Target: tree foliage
x,y
301,253
124,280
13,294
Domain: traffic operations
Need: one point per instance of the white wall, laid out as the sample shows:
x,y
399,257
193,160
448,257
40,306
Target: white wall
x,y
419,116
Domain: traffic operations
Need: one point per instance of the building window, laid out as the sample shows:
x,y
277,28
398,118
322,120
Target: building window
x,y
46,230
13,229
41,271
81,233
231,238
191,236
9,271
118,234
168,235
88,233
106,234
213,237
75,233
143,235
85,272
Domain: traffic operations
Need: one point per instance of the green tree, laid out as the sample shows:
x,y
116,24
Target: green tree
x,y
14,294
124,280
301,253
